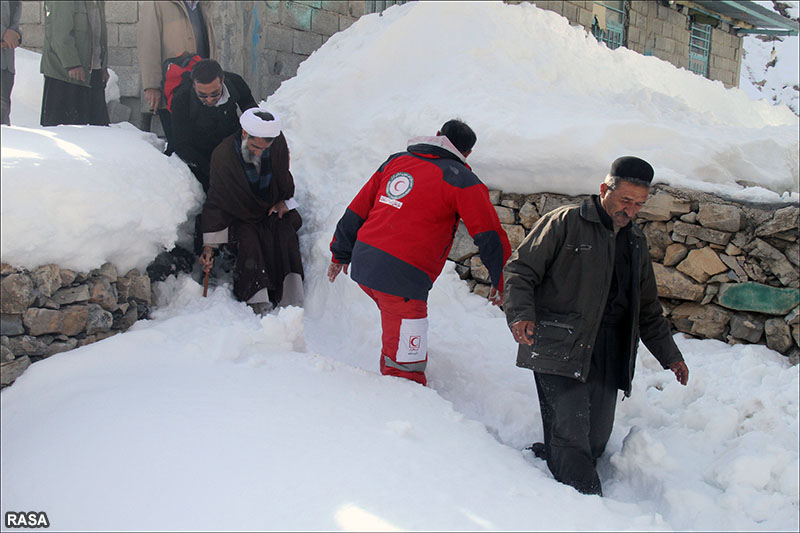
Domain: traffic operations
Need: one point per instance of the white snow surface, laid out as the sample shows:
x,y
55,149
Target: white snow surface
x,y
771,69
206,417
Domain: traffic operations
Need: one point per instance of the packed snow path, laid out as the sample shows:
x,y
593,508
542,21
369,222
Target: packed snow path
x,y
207,417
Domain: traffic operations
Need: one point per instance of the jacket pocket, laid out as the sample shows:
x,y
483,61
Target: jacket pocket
x,y
578,248
555,334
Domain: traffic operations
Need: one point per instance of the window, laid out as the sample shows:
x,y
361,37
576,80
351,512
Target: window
x,y
699,47
609,22
376,6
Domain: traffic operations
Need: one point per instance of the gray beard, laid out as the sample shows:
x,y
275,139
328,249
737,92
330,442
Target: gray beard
x,y
248,156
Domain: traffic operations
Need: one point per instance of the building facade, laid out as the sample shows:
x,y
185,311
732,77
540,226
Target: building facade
x,y
704,37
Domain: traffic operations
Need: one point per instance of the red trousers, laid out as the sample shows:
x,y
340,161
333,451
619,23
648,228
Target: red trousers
x,y
404,350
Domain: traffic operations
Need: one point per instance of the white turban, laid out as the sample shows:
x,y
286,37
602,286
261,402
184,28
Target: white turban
x,y
258,127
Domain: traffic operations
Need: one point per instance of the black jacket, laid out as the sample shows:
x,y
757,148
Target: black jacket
x,y
197,129
559,278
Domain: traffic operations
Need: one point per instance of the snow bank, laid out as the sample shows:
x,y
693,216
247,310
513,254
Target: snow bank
x,y
771,69
551,106
772,75
80,196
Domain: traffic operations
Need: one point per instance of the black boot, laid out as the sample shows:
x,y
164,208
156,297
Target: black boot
x,y
538,450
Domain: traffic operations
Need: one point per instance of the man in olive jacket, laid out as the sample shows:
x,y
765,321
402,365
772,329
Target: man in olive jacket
x,y
74,63
580,291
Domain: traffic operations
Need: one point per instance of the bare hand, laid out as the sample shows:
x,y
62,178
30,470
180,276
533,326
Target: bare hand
x,y
523,332
153,97
334,269
11,38
279,208
106,75
495,297
681,372
206,258
77,73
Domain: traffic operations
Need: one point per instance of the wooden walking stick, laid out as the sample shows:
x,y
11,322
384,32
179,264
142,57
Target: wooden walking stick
x,y
205,286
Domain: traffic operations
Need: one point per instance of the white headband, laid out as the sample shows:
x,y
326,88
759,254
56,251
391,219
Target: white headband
x,y
258,127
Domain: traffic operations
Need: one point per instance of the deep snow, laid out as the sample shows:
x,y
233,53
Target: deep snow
x,y
770,65
207,417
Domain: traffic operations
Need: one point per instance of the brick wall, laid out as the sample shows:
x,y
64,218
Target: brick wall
x,y
662,31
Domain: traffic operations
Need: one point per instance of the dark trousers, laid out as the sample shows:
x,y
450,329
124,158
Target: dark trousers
x,y
266,251
578,417
165,119
6,84
70,103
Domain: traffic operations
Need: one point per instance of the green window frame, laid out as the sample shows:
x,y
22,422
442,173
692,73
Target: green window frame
x,y
376,6
699,47
611,30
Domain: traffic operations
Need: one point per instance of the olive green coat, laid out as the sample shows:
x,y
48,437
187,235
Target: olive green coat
x,y
68,39
560,277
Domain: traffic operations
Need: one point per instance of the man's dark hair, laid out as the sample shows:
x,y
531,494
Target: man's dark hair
x,y
459,134
206,71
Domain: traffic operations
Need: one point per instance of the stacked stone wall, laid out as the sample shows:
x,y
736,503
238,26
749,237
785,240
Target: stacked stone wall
x,y
51,309
724,270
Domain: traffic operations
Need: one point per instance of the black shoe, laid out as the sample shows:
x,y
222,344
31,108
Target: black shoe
x,y
538,450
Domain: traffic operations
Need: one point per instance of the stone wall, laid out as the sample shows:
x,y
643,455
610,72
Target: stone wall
x,y
51,310
724,270
660,30
264,41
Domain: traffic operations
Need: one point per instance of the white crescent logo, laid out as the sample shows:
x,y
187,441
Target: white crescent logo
x,y
400,184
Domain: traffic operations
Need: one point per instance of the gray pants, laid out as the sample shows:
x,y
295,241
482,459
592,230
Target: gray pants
x,y
6,84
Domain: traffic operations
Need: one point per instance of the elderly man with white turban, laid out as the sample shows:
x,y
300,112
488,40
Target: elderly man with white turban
x,y
250,206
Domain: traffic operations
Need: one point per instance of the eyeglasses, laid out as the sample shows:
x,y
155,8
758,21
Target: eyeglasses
x,y
206,96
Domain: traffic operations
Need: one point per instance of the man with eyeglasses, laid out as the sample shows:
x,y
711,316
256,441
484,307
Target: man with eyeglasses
x,y
204,111
250,204
579,293
165,30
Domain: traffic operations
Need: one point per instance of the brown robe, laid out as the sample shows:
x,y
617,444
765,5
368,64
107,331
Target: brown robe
x,y
266,247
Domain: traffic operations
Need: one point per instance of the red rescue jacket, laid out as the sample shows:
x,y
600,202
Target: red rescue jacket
x,y
398,230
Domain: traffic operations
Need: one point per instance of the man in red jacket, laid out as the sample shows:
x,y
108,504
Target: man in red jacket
x,y
398,230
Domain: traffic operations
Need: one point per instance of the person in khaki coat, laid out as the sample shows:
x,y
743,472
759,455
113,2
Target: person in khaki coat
x,y
167,29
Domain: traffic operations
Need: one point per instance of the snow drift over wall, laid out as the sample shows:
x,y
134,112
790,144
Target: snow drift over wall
x,y
80,196
550,105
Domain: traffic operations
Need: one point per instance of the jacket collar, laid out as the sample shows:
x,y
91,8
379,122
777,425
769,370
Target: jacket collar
x,y
428,145
589,210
